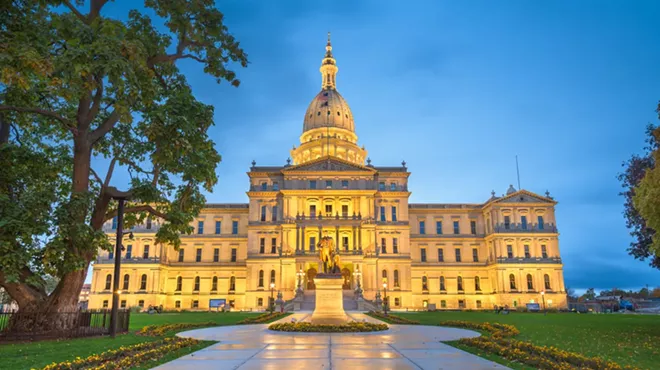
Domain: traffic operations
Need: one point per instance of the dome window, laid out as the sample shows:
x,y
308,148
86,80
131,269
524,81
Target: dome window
x,y
328,113
325,94
318,113
339,114
347,116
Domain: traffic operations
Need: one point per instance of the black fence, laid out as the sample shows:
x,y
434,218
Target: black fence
x,y
51,325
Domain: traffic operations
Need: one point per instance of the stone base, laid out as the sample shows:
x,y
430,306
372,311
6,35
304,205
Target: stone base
x,y
329,300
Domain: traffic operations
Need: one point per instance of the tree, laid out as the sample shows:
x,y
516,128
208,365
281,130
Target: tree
x,y
78,85
588,295
570,295
638,205
655,293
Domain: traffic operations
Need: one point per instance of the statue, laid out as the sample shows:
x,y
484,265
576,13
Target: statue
x,y
329,256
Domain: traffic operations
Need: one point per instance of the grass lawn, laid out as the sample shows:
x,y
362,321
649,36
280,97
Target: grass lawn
x,y
626,339
40,354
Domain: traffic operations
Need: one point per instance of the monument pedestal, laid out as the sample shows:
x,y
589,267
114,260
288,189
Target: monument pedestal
x,y
329,300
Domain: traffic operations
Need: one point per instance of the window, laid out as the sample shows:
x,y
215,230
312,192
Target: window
x,y
148,223
541,225
196,287
263,213
425,283
384,276
274,215
216,255
509,251
312,243
276,186
114,223
312,184
381,186
129,252
111,254
177,304
395,245
233,254
262,245
442,283
456,228
443,304
382,214
108,282
105,304
458,255
214,284
344,242
195,304
507,222
523,222
260,302
143,282
459,283
383,245
261,279
478,304
141,303
273,245
328,210
264,186
530,282
198,256
438,227
527,255
232,283
475,255
423,250
145,252
272,276
461,303
441,255
344,184
544,251
397,302
126,281
473,227
200,227
344,210
422,227
181,255
179,283
477,283
393,186
328,184
393,213
512,282
546,280
312,211
396,278
123,304
218,227
234,227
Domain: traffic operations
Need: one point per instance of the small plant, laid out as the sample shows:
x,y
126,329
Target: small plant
x,y
306,327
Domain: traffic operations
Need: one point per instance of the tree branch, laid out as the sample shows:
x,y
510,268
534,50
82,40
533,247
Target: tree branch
x,y
104,127
75,11
43,112
96,175
96,103
111,169
135,209
95,9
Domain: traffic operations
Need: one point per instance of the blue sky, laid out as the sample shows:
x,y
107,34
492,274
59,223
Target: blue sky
x,y
457,89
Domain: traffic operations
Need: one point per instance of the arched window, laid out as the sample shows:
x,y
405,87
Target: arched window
x,y
384,276
126,281
530,282
232,283
459,281
261,278
143,282
396,278
272,276
442,283
196,289
546,279
260,302
179,283
425,283
108,282
214,284
512,282
477,283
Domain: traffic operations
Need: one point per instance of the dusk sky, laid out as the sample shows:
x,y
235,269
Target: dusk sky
x,y
457,90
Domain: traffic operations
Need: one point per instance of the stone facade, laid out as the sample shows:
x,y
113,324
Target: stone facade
x,y
503,251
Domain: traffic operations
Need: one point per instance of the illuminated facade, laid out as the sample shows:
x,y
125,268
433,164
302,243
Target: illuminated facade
x,y
504,251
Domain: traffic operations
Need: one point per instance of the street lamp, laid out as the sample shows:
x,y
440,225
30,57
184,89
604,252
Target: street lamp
x,y
358,275
543,300
300,275
114,313
385,298
272,302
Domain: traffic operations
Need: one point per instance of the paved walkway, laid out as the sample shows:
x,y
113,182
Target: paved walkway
x,y
400,347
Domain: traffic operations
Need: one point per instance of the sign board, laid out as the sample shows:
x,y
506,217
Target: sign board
x,y
533,307
217,303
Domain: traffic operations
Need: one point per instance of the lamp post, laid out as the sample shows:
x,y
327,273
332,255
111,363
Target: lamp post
x,y
272,302
114,313
385,298
543,300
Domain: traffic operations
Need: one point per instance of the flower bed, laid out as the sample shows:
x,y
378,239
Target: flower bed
x,y
161,330
392,318
495,329
306,327
263,318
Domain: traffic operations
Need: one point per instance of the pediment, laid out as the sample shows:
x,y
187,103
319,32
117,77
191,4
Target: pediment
x,y
329,164
524,196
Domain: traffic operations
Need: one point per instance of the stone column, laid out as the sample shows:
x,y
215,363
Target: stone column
x,y
354,239
359,239
302,237
337,238
297,237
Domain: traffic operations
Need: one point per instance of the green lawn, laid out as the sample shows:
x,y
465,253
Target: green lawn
x,y
625,339
39,354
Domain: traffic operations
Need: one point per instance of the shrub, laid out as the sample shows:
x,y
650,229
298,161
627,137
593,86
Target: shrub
x,y
306,327
161,330
263,318
392,318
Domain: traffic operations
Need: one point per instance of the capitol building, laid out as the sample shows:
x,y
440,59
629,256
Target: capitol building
x,y
501,251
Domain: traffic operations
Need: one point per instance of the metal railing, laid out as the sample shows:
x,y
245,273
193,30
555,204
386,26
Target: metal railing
x,y
521,228
49,325
528,260
128,260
